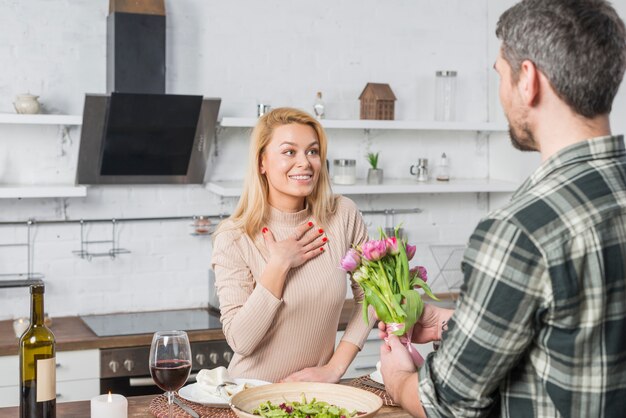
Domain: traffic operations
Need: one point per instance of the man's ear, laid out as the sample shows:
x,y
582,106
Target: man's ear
x,y
528,83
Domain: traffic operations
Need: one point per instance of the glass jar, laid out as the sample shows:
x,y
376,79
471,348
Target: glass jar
x,y
344,171
443,168
445,91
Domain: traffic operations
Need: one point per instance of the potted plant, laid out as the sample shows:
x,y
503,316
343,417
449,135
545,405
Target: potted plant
x,y
374,174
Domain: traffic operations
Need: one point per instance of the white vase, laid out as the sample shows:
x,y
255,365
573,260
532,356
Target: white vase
x,y
374,176
26,104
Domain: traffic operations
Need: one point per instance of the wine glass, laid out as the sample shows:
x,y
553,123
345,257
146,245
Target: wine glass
x,y
170,362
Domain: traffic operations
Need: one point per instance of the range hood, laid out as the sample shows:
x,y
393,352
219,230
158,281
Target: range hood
x,y
138,134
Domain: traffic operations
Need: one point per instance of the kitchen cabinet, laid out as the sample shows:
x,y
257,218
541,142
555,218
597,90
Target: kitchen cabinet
x,y
9,381
390,186
78,377
52,191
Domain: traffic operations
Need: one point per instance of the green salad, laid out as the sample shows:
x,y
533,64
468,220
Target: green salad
x,y
304,409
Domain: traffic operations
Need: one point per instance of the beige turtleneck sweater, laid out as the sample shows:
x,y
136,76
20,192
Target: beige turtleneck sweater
x,y
271,337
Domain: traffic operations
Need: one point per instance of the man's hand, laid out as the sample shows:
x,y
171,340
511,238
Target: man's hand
x,y
400,377
427,328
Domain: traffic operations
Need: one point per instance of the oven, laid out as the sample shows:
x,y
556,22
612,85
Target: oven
x,y
126,370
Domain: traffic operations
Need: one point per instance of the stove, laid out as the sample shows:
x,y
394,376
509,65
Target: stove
x,y
126,370
109,325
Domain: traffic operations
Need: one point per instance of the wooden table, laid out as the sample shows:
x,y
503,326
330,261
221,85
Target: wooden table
x,y
138,407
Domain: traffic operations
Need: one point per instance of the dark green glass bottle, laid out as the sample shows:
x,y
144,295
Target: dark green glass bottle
x,y
37,363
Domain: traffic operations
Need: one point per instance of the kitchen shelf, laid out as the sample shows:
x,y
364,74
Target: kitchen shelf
x,y
397,186
229,122
66,120
42,191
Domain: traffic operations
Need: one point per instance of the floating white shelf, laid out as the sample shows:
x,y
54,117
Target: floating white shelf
x,y
392,186
42,191
384,124
67,120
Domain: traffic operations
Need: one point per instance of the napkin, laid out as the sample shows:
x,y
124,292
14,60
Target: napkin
x,y
209,381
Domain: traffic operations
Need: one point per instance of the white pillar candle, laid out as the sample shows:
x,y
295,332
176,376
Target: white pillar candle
x,y
109,406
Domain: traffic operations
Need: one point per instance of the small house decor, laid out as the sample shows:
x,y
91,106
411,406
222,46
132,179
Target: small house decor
x,y
377,102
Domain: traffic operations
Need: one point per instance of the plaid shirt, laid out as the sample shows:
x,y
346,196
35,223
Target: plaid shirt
x,y
540,327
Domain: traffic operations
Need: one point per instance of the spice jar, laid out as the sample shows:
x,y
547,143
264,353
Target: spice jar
x,y
344,171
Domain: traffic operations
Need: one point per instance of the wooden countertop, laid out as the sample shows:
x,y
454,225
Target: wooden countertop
x,y
138,407
71,333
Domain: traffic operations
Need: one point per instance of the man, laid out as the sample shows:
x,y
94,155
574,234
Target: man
x,y
540,326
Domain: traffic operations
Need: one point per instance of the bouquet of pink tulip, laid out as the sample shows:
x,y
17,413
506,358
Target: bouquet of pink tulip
x,y
381,268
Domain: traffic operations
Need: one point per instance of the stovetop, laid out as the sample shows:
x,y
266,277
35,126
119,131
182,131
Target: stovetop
x,y
132,323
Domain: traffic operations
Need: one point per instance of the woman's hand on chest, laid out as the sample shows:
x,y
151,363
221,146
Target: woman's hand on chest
x,y
306,243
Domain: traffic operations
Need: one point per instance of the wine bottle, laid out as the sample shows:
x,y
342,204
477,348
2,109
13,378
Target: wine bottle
x,y
37,363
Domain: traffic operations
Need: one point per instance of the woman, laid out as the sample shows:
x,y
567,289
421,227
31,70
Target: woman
x,y
276,259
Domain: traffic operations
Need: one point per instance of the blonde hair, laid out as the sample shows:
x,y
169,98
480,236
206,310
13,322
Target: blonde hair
x,y
251,213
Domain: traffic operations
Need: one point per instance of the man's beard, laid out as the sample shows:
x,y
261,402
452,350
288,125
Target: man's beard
x,y
522,137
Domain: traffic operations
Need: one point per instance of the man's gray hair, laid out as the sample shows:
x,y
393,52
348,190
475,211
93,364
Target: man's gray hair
x,y
579,45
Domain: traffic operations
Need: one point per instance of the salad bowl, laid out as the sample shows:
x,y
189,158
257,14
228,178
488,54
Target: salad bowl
x,y
364,403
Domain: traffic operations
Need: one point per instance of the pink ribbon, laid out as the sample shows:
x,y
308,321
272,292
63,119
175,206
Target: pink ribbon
x,y
418,360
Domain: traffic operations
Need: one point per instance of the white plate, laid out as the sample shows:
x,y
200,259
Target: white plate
x,y
377,377
189,392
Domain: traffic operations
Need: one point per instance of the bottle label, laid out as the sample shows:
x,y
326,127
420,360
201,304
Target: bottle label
x,y
46,379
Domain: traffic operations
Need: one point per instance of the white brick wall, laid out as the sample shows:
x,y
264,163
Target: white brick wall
x,y
241,51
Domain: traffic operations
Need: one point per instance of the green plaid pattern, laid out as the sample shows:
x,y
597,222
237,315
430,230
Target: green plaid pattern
x,y
540,328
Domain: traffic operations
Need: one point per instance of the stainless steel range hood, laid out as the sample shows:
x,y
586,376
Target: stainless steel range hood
x,y
145,138
137,134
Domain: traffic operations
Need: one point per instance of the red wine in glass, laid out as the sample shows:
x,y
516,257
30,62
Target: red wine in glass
x,y
170,375
170,362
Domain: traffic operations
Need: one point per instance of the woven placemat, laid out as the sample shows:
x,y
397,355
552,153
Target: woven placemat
x,y
359,382
159,408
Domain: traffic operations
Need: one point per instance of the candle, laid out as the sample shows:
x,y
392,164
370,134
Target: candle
x,y
109,406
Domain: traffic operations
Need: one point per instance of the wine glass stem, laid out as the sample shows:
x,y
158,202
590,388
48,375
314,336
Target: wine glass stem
x,y
170,400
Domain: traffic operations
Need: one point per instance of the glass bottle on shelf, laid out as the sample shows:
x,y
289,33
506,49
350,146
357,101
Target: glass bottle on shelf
x,y
443,168
318,106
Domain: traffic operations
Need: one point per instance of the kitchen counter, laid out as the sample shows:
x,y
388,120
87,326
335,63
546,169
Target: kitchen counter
x,y
71,333
138,407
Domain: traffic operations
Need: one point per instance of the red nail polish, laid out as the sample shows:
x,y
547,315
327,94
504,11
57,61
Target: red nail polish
x,y
321,231
310,223
324,239
264,230
321,248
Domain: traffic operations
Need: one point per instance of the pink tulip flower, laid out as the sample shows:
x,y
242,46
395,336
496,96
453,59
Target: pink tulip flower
x,y
410,251
351,260
374,250
392,246
419,271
